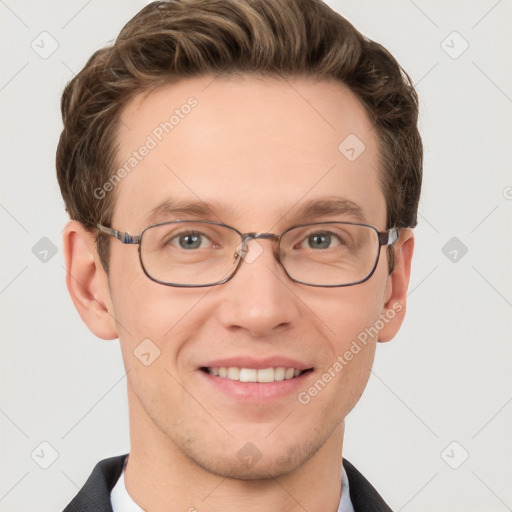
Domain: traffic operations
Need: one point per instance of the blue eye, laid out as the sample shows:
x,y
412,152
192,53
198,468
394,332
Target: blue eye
x,y
189,240
319,240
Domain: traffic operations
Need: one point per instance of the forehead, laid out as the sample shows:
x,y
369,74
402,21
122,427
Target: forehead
x,y
254,150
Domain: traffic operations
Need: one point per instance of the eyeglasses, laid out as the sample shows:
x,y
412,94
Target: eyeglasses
x,y
191,254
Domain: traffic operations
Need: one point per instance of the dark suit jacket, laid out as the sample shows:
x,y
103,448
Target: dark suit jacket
x,y
95,494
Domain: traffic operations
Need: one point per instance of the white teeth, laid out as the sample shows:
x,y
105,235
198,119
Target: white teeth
x,y
279,373
288,374
248,375
254,375
233,373
266,375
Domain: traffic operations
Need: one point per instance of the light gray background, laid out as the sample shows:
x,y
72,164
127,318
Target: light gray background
x,y
445,378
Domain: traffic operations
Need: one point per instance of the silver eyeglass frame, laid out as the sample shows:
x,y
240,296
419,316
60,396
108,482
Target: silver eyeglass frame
x,y
385,238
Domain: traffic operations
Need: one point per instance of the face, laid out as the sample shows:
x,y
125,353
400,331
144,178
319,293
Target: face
x,y
255,150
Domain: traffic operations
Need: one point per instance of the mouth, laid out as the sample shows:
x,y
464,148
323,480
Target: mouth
x,y
260,375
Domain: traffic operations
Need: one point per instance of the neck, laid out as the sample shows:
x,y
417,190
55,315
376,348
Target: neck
x,y
160,477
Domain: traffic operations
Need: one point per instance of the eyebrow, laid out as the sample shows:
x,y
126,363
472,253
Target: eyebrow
x,y
179,208
320,207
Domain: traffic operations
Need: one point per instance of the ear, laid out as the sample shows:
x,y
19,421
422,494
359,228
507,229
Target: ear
x,y
393,313
87,281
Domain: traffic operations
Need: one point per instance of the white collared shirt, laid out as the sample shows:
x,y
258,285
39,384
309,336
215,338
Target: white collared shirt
x,y
123,502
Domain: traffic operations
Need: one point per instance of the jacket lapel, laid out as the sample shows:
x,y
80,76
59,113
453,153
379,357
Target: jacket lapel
x,y
94,496
363,495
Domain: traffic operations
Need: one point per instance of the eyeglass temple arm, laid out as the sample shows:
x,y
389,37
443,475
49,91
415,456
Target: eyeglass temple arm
x,y
125,238
388,237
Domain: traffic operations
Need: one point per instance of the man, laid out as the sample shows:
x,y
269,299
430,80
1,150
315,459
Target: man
x,y
242,179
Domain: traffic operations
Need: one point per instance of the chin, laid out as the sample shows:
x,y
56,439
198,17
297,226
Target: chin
x,y
250,463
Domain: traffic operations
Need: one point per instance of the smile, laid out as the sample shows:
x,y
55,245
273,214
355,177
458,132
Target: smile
x,y
271,374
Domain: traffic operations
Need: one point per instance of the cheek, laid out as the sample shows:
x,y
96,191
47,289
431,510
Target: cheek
x,y
155,323
348,313
143,308
149,310
350,320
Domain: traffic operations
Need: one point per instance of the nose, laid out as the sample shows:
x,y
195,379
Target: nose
x,y
259,298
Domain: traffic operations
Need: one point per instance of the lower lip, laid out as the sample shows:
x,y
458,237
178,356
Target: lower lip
x,y
259,392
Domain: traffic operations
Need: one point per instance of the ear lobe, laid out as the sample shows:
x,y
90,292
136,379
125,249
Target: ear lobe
x,y
396,291
87,281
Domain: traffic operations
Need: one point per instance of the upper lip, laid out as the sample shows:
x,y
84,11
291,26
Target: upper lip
x,y
257,363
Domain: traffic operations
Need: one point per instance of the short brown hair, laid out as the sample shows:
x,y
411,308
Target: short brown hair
x,y
170,40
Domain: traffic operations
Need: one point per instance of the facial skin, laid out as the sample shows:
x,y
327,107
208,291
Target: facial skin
x,y
257,148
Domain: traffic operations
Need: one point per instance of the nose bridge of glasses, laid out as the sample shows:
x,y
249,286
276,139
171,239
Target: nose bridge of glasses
x,y
247,237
